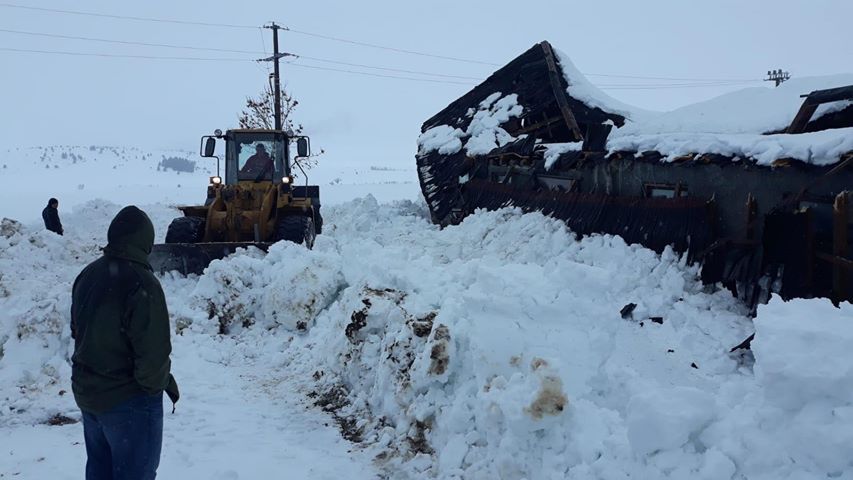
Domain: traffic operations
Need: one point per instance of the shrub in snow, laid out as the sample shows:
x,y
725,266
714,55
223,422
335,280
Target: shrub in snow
x,y
177,164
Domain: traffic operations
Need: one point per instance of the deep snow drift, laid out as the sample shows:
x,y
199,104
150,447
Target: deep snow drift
x,y
492,349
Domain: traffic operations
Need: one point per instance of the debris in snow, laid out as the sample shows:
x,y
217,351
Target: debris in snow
x,y
628,310
423,326
550,399
658,320
58,420
439,353
9,227
744,345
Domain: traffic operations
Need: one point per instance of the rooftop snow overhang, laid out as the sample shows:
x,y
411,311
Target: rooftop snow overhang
x,y
549,112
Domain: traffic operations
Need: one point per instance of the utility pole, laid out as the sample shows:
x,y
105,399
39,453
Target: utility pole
x,y
777,76
276,78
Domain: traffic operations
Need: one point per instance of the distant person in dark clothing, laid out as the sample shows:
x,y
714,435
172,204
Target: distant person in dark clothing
x,y
259,166
121,366
50,214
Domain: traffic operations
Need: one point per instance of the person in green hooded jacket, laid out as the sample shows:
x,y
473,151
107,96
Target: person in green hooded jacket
x,y
120,365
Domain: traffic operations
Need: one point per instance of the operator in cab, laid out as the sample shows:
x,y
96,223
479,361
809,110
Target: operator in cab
x,y
259,166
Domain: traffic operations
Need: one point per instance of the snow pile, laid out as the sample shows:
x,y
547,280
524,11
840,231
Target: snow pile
x,y
483,134
498,348
237,293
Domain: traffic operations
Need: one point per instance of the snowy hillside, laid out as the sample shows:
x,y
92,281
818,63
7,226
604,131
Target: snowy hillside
x,y
493,349
131,175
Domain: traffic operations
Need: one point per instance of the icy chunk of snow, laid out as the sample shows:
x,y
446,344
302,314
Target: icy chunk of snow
x,y
803,352
453,453
666,418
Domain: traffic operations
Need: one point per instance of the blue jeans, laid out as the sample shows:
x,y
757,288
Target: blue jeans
x,y
124,443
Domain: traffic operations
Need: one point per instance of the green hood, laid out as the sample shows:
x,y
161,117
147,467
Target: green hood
x,y
130,236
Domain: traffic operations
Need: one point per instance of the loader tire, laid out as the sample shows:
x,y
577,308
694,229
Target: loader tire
x,y
185,230
297,229
318,222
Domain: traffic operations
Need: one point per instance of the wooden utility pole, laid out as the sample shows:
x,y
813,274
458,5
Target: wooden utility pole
x,y
276,77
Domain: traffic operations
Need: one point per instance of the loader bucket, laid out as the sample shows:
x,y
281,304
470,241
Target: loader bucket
x,y
187,258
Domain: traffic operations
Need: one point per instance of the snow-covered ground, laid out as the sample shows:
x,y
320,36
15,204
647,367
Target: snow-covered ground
x,y
492,349
130,175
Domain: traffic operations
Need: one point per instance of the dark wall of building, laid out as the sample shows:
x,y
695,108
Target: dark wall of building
x,y
729,185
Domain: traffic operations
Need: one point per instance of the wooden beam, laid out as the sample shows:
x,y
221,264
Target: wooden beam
x,y
802,118
560,92
810,250
536,126
751,214
841,262
840,221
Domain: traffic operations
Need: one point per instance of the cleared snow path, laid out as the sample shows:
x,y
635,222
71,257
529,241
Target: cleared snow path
x,y
239,417
236,420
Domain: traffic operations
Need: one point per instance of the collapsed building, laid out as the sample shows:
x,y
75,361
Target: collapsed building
x,y
753,184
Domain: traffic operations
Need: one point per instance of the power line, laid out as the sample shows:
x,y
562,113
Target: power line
x,y
392,49
665,87
111,55
126,17
316,67
124,42
640,77
189,47
336,39
450,82
387,69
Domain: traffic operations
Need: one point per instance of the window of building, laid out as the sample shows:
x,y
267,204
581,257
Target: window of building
x,y
665,190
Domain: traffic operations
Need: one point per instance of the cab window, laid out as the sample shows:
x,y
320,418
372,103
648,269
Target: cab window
x,y
256,159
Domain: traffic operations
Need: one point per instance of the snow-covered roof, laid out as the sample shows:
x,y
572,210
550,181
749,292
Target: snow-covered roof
x,y
745,125
755,110
580,88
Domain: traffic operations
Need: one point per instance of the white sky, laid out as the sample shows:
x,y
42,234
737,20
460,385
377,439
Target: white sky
x,y
56,100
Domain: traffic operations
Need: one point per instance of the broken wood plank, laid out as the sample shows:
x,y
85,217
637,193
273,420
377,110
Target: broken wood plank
x,y
560,93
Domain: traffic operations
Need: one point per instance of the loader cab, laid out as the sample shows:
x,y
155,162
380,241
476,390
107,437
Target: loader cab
x,y
256,156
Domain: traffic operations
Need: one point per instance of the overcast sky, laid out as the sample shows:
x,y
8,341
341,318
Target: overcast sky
x,y
56,100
